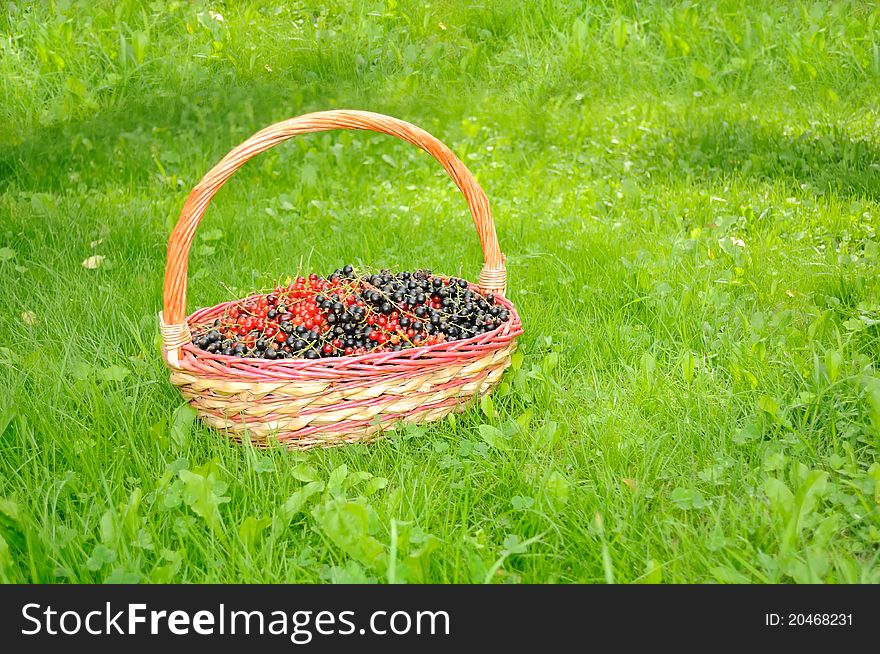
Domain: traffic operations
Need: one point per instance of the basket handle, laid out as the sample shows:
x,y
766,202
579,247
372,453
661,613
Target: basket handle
x,y
493,277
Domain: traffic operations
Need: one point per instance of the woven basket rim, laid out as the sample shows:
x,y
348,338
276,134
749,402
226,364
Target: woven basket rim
x,y
507,331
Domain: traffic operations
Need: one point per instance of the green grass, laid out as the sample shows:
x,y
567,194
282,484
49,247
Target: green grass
x,y
688,198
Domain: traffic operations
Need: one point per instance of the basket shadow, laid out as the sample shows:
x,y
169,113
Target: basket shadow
x,y
164,127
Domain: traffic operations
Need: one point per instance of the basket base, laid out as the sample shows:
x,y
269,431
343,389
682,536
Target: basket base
x,y
304,415
368,433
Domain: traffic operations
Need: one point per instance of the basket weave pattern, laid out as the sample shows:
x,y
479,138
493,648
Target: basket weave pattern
x,y
331,401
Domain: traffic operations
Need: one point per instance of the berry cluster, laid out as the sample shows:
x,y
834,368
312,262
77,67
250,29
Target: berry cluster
x,y
351,313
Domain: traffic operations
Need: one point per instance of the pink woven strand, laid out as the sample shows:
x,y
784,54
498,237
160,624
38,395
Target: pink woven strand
x,y
411,360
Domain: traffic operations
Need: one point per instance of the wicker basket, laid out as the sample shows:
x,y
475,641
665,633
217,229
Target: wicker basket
x,y
330,401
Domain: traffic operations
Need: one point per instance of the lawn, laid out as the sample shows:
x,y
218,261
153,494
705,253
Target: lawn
x,y
688,197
